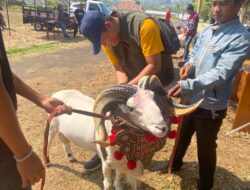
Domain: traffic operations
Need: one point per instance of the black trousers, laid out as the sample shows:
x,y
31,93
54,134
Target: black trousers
x,y
206,124
9,177
76,27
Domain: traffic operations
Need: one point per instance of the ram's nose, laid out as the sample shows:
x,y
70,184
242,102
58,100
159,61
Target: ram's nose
x,y
161,128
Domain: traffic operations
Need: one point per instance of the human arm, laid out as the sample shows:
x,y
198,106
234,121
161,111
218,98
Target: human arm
x,y
151,45
227,66
31,170
47,103
185,71
121,75
153,67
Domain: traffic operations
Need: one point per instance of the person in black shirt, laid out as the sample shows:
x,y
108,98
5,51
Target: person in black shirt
x,y
78,14
20,167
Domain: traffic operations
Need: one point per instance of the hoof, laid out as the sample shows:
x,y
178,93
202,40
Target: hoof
x,y
73,160
48,165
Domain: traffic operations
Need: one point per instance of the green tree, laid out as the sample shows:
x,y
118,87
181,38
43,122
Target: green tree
x,y
245,11
206,13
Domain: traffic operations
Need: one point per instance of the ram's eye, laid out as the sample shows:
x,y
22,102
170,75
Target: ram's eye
x,y
131,109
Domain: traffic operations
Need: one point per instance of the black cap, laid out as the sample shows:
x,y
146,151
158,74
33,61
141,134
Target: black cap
x,y
190,7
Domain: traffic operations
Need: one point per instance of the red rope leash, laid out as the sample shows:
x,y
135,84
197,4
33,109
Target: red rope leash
x,y
51,116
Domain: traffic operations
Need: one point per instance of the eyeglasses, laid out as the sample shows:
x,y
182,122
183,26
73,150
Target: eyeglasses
x,y
220,3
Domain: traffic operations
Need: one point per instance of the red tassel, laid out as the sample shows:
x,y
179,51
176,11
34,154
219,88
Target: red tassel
x,y
131,165
113,131
118,155
172,134
150,137
175,119
112,140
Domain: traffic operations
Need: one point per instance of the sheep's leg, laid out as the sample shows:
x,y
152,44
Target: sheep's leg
x,y
107,173
118,180
132,180
67,148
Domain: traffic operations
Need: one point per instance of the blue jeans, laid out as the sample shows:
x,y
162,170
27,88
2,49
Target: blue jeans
x,y
187,44
62,25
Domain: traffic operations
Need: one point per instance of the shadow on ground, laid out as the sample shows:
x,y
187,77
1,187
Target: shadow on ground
x,y
224,179
90,176
58,36
95,177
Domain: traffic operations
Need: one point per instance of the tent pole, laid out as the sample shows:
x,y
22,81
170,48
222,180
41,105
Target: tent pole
x,y
199,6
46,10
7,9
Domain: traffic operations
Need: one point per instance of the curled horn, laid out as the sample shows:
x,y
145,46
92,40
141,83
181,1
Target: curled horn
x,y
153,83
180,109
108,101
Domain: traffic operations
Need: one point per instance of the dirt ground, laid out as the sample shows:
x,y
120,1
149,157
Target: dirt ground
x,y
74,67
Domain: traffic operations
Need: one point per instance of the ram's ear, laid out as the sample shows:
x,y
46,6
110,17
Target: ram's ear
x,y
152,83
124,109
149,82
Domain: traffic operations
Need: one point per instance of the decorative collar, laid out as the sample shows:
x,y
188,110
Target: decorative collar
x,y
136,144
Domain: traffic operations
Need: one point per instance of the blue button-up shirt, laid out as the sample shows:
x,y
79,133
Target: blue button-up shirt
x,y
216,58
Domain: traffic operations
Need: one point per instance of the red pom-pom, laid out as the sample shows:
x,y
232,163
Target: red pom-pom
x,y
112,139
131,164
150,137
114,131
118,155
175,119
172,134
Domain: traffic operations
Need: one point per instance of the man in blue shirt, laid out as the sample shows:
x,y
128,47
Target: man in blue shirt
x,y
215,60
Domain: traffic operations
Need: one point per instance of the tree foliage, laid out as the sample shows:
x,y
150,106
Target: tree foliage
x,y
205,13
245,12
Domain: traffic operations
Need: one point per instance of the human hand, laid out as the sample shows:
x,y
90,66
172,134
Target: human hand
x,y
184,71
31,170
50,103
175,91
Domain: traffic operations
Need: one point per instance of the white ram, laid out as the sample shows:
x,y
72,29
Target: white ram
x,y
143,107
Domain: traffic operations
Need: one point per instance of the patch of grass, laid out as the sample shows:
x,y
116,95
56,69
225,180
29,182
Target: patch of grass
x,y
30,49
